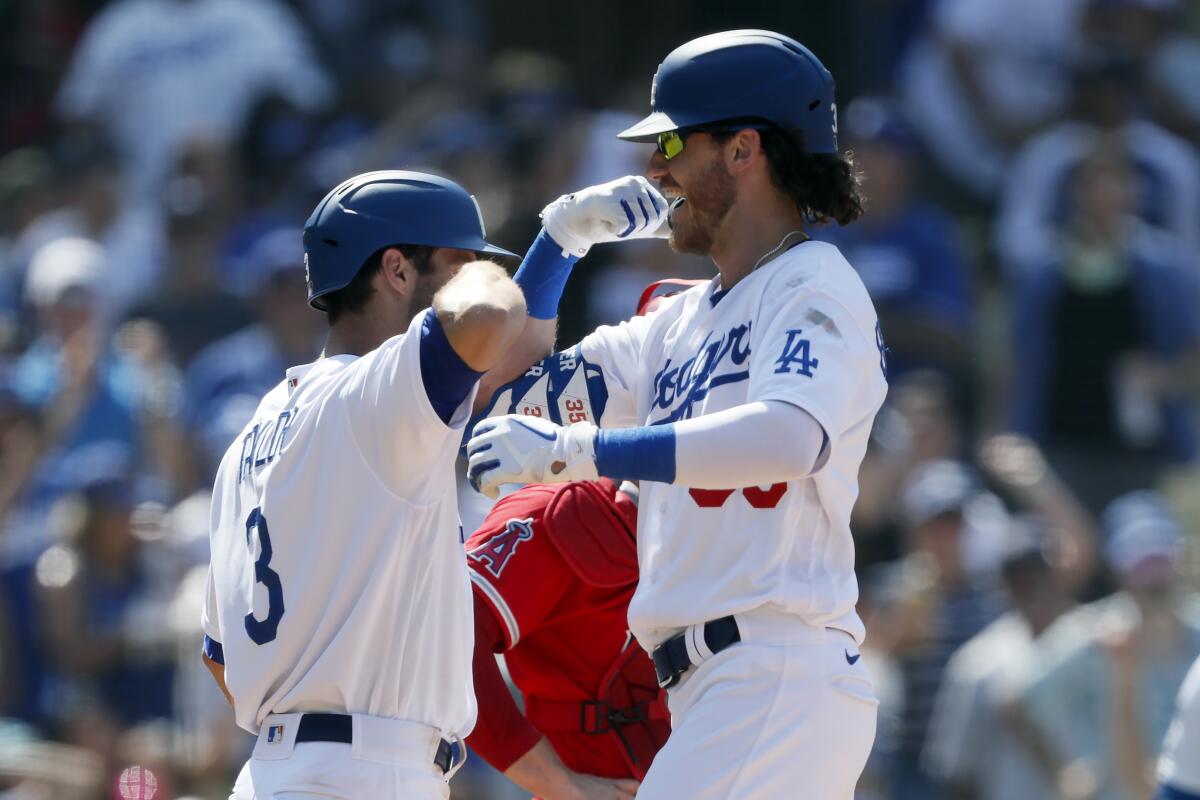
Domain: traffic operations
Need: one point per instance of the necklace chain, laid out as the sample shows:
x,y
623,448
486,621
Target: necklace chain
x,y
774,250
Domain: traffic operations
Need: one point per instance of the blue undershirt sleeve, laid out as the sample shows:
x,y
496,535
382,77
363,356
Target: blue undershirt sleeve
x,y
1171,793
447,378
543,275
212,648
644,454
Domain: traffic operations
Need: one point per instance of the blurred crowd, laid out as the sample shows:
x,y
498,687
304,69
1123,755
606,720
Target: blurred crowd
x,y
1029,510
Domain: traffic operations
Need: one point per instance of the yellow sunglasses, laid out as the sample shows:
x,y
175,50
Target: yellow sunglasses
x,y
670,143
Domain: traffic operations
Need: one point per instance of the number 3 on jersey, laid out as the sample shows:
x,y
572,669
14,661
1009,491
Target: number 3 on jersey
x,y
263,631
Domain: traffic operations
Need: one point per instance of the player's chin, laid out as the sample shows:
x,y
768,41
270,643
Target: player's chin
x,y
688,237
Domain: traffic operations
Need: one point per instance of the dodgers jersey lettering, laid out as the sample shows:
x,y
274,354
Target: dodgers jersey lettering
x,y
802,330
338,581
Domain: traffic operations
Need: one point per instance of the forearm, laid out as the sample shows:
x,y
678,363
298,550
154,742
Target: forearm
x,y
541,277
1072,529
217,670
1128,749
172,454
1043,753
482,312
535,342
753,444
502,736
1016,464
542,772
22,447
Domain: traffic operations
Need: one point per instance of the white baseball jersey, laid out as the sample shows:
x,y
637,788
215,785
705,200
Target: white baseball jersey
x,y
1179,765
338,580
801,329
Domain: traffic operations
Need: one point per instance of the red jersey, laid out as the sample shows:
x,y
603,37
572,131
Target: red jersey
x,y
553,569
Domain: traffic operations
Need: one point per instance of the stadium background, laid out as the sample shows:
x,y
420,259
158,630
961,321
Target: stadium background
x,y
1030,243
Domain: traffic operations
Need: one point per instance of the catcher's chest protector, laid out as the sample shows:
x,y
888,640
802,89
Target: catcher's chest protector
x,y
585,521
637,708
592,526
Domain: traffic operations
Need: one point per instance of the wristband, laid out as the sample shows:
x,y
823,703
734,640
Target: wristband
x,y
543,275
646,454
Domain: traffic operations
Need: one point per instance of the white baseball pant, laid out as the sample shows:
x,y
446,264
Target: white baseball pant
x,y
389,759
788,712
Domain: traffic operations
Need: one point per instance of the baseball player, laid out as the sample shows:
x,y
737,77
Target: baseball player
x,y
1179,764
554,568
743,407
338,616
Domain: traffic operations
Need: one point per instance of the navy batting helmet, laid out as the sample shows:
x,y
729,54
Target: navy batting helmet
x,y
739,74
379,209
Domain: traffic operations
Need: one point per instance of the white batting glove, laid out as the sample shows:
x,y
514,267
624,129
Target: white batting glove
x,y
521,449
627,208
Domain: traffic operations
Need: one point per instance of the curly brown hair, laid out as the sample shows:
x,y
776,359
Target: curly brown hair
x,y
824,186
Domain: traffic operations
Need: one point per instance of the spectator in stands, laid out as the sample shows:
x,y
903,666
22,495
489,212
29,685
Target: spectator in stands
x,y
225,382
1017,470
1038,203
1102,694
159,74
906,251
929,605
984,76
919,424
90,206
20,435
93,399
12,682
195,304
27,191
269,159
1106,336
103,619
974,751
1153,33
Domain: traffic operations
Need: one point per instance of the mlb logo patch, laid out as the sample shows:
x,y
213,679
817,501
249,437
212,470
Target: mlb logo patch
x,y
274,734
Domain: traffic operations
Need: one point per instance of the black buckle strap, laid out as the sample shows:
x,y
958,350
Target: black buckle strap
x,y
671,658
597,716
340,728
448,754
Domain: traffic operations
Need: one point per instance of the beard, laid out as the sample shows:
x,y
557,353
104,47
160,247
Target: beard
x,y
423,293
707,204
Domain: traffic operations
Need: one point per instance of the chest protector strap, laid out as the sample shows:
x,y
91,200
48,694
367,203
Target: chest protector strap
x,y
629,707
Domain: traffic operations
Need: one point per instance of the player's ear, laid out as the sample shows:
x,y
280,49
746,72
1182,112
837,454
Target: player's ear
x,y
398,273
742,148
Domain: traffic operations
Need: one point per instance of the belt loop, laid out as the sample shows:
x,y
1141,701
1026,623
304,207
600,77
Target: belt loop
x,y
700,642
